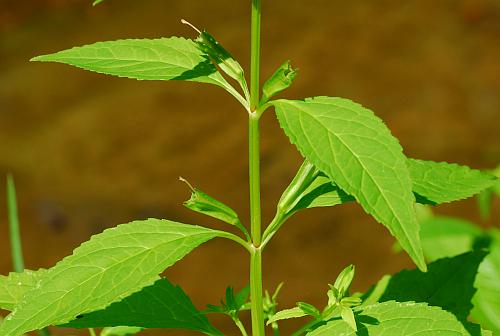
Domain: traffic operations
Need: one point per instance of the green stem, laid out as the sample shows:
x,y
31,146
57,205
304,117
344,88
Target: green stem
x,y
15,234
257,307
241,327
92,332
255,56
256,293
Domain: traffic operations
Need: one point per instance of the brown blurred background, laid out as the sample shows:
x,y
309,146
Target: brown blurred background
x,y
89,151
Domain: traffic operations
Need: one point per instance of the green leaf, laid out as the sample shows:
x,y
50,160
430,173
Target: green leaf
x,y
487,299
14,286
281,80
396,319
120,331
447,237
441,182
161,305
356,150
286,314
205,204
171,58
107,268
348,317
344,280
448,284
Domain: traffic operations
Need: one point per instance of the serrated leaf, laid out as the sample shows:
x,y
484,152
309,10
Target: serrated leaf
x,y
161,305
171,58
119,331
448,284
109,267
286,314
396,319
355,149
441,182
447,237
487,299
15,285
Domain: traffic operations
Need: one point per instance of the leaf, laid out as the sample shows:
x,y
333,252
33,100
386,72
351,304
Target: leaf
x,y
447,237
119,331
14,286
356,150
322,193
171,58
286,314
348,316
161,305
396,319
448,284
107,268
487,299
441,182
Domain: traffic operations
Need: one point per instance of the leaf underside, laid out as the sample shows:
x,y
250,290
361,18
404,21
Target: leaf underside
x,y
396,319
161,305
173,58
105,269
355,149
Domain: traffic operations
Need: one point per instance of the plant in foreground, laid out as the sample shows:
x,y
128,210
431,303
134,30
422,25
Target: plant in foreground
x,y
349,156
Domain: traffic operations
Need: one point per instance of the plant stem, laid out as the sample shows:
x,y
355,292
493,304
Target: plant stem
x,y
256,293
14,231
92,332
255,56
257,307
241,327
15,235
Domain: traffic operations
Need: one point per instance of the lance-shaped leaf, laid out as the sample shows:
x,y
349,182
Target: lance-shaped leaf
x,y
161,305
14,286
356,150
440,182
448,284
396,319
109,267
171,58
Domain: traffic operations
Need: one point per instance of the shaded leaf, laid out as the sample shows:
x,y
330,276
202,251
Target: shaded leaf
x,y
107,268
448,284
355,149
161,305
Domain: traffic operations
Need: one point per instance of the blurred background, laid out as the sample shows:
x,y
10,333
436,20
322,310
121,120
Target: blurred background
x,y
89,152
